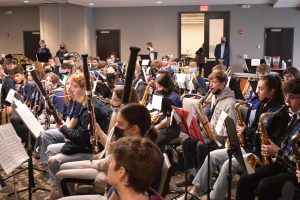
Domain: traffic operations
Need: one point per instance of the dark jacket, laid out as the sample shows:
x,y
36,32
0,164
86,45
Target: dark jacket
x,y
225,54
275,128
79,138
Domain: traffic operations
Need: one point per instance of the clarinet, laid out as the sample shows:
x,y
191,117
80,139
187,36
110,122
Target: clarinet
x,y
47,98
90,104
129,74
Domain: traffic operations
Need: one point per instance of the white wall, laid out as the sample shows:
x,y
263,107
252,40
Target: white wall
x,y
67,23
12,27
192,38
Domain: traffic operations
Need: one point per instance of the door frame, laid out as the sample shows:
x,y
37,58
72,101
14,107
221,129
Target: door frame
x,y
24,40
206,26
108,30
292,48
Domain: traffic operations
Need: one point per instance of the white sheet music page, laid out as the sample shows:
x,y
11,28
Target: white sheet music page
x,y
29,119
12,152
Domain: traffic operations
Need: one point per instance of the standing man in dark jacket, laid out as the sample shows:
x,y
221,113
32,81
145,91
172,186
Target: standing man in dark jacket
x,y
222,52
77,146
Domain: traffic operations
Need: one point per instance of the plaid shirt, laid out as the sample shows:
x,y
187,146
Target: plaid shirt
x,y
285,155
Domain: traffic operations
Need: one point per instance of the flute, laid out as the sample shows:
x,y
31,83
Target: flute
x,y
45,94
90,104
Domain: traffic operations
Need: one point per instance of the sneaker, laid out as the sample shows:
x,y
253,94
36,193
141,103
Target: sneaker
x,y
190,196
181,183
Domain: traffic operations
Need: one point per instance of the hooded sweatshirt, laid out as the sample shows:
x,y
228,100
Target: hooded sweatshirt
x,y
225,101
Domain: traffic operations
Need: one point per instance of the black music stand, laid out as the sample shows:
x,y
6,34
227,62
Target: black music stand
x,y
31,183
233,150
193,131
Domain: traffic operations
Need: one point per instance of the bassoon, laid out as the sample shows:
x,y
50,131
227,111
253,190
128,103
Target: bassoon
x,y
46,96
90,104
129,74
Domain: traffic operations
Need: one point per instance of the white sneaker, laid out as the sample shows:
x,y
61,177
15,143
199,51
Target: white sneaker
x,y
190,196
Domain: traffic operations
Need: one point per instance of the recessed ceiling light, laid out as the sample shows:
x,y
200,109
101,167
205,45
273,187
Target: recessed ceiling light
x,y
91,4
158,2
26,1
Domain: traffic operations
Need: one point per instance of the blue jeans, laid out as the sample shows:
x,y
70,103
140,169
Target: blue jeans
x,y
51,136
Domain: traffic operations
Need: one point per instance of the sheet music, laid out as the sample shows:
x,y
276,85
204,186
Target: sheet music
x,y
255,62
29,119
157,102
180,78
10,96
12,153
220,122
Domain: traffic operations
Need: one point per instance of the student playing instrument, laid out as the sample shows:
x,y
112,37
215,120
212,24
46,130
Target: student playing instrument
x,y
132,120
54,136
268,180
194,152
77,146
132,168
271,99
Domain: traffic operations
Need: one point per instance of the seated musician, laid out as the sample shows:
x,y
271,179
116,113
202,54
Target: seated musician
x,y
261,70
166,63
194,152
77,146
132,168
232,83
94,63
268,180
138,83
196,84
9,66
290,73
55,90
47,68
21,85
101,70
271,99
65,70
54,136
165,87
132,120
156,65
105,89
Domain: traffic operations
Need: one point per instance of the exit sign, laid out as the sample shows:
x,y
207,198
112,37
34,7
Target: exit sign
x,y
203,8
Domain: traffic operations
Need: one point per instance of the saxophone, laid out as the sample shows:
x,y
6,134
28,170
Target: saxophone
x,y
263,132
239,119
205,123
146,95
295,147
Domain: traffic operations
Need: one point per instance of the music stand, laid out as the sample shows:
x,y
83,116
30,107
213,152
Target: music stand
x,y
233,150
187,122
34,129
252,68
